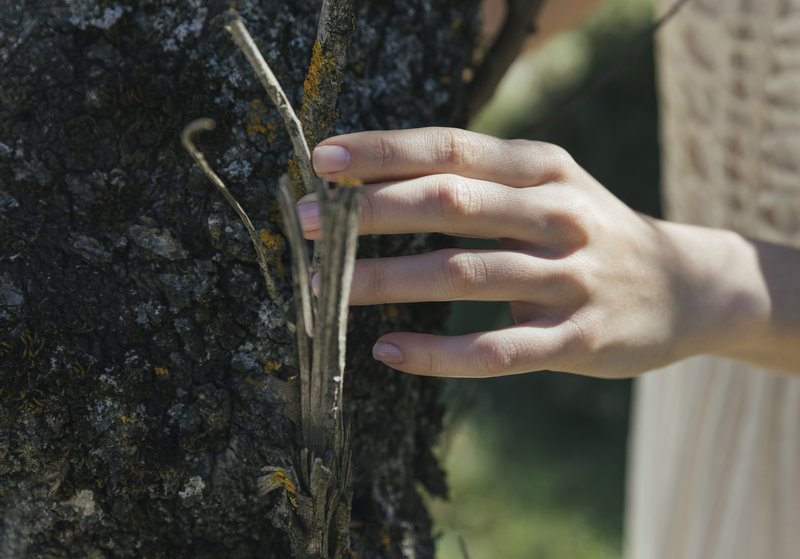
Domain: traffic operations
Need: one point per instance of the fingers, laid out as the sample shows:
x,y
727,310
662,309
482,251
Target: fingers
x,y
518,349
403,154
451,275
455,205
458,182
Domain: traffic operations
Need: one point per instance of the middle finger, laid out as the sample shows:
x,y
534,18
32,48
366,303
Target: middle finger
x,y
454,205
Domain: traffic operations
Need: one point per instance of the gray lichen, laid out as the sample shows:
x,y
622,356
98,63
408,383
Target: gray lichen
x,y
157,241
126,289
85,14
90,249
193,488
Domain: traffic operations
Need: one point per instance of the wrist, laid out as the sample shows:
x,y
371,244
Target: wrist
x,y
722,302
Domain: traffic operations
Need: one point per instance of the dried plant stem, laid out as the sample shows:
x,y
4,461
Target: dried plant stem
x,y
302,153
301,284
297,244
340,236
206,124
325,465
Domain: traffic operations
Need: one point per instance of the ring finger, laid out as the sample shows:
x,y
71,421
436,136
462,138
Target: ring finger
x,y
453,274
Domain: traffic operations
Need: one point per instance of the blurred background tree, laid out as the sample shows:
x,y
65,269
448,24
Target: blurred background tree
x,y
536,462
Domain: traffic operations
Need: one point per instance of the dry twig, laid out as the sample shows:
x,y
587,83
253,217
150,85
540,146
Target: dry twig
x,y
326,70
302,154
206,124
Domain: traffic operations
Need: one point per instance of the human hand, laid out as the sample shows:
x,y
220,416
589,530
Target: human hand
x,y
594,287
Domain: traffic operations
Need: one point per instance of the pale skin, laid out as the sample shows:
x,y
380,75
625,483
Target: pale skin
x,y
594,287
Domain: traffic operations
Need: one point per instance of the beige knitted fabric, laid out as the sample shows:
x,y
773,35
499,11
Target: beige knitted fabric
x,y
715,445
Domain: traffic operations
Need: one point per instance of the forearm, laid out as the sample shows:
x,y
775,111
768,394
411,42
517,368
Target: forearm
x,y
743,296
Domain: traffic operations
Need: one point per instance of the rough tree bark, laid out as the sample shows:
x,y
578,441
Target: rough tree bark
x,y
146,379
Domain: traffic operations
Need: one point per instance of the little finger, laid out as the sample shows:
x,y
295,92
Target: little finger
x,y
518,349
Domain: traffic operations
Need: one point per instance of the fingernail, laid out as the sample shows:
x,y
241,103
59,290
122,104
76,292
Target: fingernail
x,y
308,214
330,159
388,353
315,284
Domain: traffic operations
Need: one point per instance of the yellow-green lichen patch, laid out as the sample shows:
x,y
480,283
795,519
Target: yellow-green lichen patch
x,y
296,178
348,182
280,478
271,366
320,89
273,245
321,67
277,478
258,122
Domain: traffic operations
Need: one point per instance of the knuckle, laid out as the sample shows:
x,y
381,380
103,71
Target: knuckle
x,y
463,274
456,197
384,151
581,203
553,157
584,218
495,358
576,220
557,156
583,338
452,147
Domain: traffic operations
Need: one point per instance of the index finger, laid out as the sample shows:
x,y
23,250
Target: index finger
x,y
405,154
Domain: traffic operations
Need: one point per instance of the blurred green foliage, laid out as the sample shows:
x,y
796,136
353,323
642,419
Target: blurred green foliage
x,y
536,462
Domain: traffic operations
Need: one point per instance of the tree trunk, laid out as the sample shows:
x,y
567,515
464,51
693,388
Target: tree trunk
x,y
147,382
